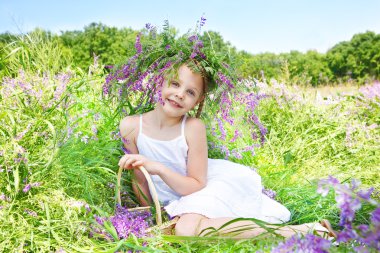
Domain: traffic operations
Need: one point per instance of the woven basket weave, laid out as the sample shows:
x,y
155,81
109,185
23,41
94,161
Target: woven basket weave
x,y
167,227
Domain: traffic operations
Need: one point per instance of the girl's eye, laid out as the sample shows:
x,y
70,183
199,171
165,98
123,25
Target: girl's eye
x,y
175,84
192,93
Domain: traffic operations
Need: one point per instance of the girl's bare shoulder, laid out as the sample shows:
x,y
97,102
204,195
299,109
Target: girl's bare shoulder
x,y
194,126
129,125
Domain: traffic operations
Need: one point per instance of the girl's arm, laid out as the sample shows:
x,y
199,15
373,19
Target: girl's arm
x,y
128,129
196,177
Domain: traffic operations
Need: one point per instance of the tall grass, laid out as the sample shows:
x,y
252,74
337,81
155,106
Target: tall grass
x,y
59,138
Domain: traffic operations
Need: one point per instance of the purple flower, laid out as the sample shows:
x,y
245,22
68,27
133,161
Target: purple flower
x,y
85,139
148,26
309,243
138,44
225,80
221,129
371,92
30,212
36,184
203,20
4,198
235,153
236,135
349,200
27,188
270,193
193,38
375,217
126,222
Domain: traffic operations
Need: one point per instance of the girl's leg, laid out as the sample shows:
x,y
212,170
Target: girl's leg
x,y
249,229
188,224
195,224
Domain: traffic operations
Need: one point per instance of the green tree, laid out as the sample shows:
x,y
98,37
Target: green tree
x,y
358,58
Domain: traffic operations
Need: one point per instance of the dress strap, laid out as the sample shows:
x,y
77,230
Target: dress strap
x,y
140,130
183,125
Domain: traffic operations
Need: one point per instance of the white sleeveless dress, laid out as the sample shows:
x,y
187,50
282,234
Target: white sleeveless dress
x,y
232,190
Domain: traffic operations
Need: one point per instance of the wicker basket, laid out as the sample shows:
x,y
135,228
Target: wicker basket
x,y
165,228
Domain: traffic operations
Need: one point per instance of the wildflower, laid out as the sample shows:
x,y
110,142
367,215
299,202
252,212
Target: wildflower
x,y
4,198
125,222
236,135
235,153
94,129
203,20
270,193
138,44
308,243
221,129
85,139
30,212
21,135
27,188
349,201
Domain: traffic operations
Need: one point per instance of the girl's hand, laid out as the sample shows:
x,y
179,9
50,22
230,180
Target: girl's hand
x,y
132,161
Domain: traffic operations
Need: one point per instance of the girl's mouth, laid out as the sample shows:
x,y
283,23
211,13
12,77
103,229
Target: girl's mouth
x,y
173,103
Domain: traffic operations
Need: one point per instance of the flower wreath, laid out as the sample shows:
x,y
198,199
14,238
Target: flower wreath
x,y
157,55
136,84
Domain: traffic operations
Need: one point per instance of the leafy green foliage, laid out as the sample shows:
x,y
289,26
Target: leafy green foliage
x,y
49,137
358,59
354,60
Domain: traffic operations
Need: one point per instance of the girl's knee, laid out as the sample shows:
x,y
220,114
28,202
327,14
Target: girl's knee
x,y
187,225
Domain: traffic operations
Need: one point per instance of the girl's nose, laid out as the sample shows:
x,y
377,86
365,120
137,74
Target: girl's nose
x,y
180,94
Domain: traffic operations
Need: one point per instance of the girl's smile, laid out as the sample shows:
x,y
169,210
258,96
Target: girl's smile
x,y
174,103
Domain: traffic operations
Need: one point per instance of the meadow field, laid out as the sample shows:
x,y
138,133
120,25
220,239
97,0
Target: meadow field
x,y
60,146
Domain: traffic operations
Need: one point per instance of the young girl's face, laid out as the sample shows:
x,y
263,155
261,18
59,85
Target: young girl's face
x,y
182,94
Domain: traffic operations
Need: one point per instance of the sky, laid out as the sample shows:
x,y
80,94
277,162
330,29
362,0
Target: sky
x,y
254,26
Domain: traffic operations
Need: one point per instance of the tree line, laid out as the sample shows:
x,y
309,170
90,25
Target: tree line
x,y
357,60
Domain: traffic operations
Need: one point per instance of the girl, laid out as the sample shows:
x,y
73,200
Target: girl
x,y
203,192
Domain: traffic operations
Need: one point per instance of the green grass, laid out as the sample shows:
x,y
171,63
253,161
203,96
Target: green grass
x,y
306,141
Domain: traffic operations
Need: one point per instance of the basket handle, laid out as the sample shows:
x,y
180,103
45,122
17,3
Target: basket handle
x,y
151,188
